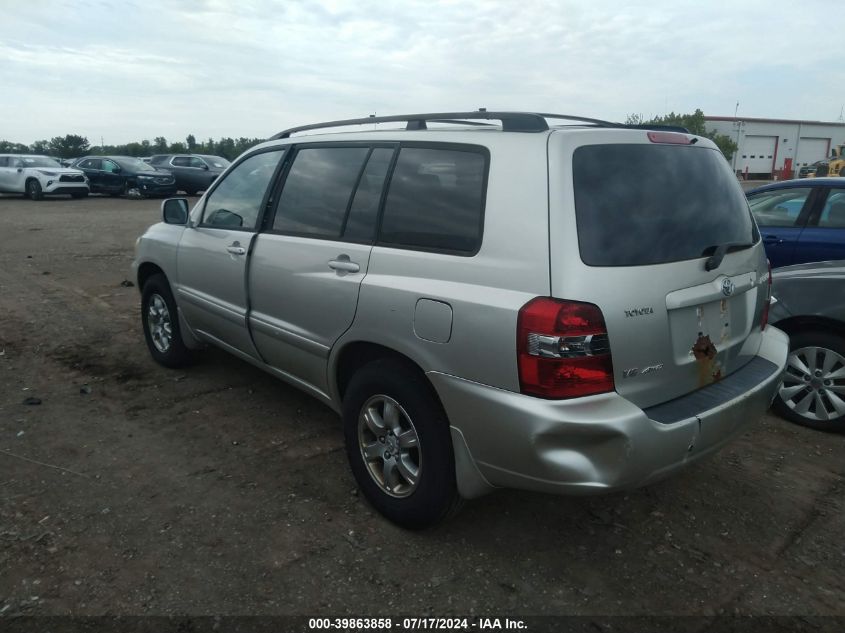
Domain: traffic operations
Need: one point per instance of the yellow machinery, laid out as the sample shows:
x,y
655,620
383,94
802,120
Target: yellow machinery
x,y
836,165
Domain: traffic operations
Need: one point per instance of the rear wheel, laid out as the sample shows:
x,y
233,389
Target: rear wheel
x,y
813,389
160,320
398,444
33,190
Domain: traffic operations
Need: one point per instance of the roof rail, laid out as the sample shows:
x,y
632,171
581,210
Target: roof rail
x,y
511,121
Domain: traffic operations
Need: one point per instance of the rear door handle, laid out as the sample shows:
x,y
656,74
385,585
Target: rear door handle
x,y
236,249
772,239
343,264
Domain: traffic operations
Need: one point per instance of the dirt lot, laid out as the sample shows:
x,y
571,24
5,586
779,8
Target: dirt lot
x,y
132,489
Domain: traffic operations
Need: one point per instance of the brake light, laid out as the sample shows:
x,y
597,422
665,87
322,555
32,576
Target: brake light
x,y
764,321
562,349
669,137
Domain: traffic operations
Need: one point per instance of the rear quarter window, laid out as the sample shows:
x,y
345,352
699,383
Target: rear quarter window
x,y
639,204
435,200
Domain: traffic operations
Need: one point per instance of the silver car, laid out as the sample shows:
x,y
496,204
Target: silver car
x,y
572,308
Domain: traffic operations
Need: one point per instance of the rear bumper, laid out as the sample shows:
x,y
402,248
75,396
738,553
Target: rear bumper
x,y
599,443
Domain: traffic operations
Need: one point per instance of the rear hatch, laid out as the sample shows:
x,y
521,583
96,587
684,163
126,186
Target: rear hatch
x,y
636,220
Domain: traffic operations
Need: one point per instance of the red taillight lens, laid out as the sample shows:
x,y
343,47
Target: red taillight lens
x,y
562,349
764,321
669,137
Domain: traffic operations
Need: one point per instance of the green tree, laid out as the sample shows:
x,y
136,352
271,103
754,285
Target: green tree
x,y
191,142
694,122
160,145
68,146
7,147
40,147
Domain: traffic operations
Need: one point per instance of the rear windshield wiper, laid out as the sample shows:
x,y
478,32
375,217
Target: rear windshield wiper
x,y
719,251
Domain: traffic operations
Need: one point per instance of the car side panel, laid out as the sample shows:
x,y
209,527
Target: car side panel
x,y
484,292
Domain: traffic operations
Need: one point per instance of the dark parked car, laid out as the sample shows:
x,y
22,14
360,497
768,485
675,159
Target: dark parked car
x,y
809,304
813,169
193,172
801,220
121,175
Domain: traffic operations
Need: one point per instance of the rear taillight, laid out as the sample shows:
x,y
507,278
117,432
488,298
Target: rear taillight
x,y
764,321
562,349
669,137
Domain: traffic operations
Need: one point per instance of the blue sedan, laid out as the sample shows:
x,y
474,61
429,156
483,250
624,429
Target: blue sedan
x,y
801,220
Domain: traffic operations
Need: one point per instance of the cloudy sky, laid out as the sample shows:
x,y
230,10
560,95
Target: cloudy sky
x,y
131,69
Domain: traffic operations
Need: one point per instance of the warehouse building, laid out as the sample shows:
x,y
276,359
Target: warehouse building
x,y
777,148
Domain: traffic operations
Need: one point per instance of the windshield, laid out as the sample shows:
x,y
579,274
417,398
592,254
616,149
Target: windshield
x,y
39,161
652,204
216,161
135,164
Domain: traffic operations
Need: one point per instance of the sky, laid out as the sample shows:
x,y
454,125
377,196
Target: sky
x,y
128,70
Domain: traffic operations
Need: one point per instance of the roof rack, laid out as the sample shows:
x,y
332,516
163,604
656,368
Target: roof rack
x,y
511,121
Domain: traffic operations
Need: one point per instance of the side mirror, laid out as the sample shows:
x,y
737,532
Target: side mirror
x,y
205,167
175,211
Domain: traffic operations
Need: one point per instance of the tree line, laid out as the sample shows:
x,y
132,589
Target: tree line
x,y
73,146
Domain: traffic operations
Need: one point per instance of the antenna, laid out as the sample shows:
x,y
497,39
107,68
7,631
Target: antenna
x,y
841,110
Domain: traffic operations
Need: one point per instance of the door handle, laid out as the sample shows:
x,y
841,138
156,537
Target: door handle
x,y
343,264
772,239
236,249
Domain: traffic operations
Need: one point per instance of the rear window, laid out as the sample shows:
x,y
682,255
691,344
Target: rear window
x,y
651,204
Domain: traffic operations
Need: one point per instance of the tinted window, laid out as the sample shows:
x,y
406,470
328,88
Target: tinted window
x,y
91,163
652,204
833,213
180,161
216,162
780,207
193,161
317,191
110,166
435,200
236,201
361,223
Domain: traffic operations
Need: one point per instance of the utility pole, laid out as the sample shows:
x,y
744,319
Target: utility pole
x,y
738,125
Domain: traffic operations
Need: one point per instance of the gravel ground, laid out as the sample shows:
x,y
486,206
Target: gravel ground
x,y
136,490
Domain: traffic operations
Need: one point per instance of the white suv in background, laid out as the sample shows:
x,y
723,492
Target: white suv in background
x,y
37,176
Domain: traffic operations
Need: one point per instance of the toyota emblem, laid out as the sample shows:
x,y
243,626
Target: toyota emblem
x,y
727,287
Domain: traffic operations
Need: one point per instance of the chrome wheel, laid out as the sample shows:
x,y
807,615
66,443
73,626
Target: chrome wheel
x,y
158,321
814,384
389,445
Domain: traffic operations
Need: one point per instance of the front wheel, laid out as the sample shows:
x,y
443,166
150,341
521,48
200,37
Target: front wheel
x,y
160,321
813,389
398,444
33,190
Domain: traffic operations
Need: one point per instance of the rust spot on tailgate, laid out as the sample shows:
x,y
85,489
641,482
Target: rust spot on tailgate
x,y
709,368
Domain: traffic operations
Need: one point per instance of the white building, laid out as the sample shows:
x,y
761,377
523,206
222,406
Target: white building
x,y
769,147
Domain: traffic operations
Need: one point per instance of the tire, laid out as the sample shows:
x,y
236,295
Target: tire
x,y
815,399
33,190
401,404
160,320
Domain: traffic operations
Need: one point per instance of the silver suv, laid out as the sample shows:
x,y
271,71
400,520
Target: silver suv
x,y
575,308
